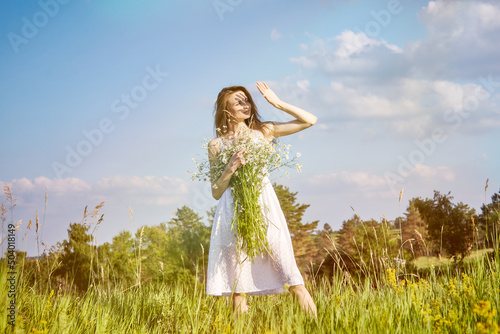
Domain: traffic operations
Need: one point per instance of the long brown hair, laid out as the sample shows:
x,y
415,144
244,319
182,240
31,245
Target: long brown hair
x,y
221,115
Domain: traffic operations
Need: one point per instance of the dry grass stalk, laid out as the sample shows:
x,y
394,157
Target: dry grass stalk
x,y
423,241
139,262
8,193
3,214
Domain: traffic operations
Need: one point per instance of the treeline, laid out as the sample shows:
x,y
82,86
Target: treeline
x,y
173,251
177,250
431,227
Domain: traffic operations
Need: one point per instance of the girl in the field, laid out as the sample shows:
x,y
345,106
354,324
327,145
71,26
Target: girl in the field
x,y
235,111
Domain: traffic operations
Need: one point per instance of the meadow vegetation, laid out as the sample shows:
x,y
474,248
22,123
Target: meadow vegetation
x,y
370,276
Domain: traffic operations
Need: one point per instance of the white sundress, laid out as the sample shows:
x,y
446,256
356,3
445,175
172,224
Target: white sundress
x,y
230,273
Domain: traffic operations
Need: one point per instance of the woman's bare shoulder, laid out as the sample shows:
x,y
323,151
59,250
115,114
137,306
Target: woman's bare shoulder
x,y
214,146
214,142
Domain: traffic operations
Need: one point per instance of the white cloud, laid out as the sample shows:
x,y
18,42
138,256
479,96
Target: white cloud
x,y
350,43
364,184
374,82
360,184
58,187
275,35
462,39
406,108
410,91
461,43
362,179
28,192
434,172
151,190
303,84
359,179
152,198
352,53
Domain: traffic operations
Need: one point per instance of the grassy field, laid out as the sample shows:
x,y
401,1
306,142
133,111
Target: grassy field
x,y
429,261
465,300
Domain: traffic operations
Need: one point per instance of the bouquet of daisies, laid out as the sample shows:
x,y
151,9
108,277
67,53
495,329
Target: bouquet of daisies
x,y
262,159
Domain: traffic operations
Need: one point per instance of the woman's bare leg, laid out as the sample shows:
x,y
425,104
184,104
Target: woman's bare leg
x,y
305,300
239,303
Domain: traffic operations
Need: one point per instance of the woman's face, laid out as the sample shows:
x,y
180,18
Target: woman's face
x,y
238,106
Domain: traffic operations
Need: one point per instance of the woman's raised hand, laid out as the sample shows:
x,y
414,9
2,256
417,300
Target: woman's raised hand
x,y
267,92
240,96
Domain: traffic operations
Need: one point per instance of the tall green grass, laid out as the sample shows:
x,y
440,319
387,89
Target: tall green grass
x,y
452,298
464,300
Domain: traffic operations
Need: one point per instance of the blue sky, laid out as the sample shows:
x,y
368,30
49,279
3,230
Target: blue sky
x,y
406,93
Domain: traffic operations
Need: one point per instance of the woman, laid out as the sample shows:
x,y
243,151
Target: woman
x,y
236,114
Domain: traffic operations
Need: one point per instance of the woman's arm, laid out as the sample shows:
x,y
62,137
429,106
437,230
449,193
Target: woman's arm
x,y
303,119
235,162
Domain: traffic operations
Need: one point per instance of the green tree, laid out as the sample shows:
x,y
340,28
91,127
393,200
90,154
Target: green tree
x,y
169,252
488,228
211,215
449,225
307,246
76,255
327,236
414,232
347,234
367,244
155,254
121,258
397,222
191,238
